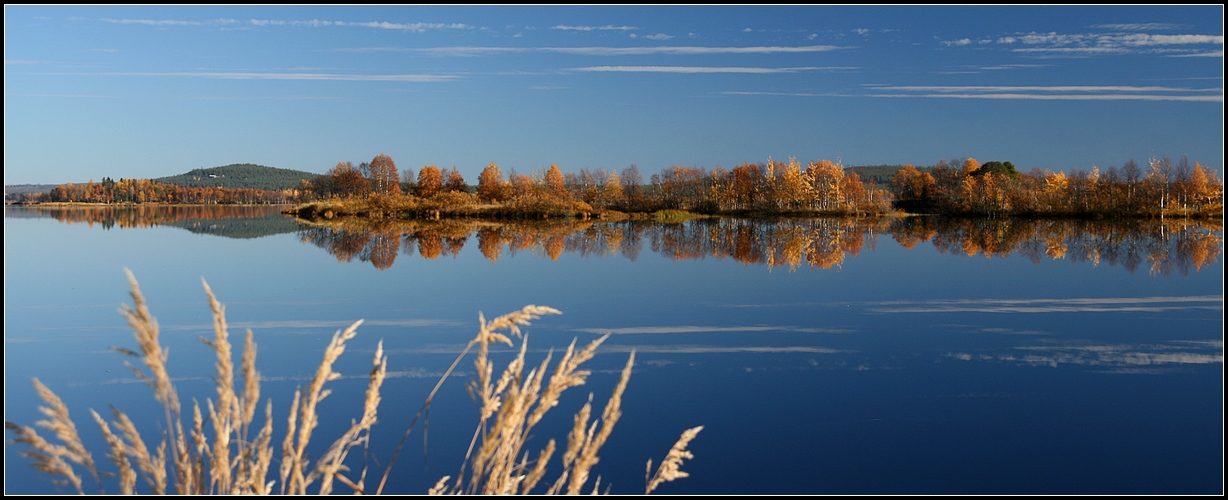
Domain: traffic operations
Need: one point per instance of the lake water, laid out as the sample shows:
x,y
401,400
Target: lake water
x,y
825,356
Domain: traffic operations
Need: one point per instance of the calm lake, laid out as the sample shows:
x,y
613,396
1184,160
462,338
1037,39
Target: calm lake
x,y
822,356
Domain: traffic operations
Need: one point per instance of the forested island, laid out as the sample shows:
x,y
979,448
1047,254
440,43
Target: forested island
x,y
965,187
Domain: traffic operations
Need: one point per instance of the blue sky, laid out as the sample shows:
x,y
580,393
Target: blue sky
x,y
152,91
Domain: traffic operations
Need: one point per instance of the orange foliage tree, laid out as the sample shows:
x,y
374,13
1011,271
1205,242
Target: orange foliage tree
x,y
490,184
430,181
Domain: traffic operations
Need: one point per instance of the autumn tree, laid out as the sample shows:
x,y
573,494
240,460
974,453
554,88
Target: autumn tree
x,y
746,184
430,181
971,165
555,183
384,175
913,189
522,186
611,190
490,183
342,180
793,191
455,182
827,179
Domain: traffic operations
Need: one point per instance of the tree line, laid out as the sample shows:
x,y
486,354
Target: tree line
x,y
957,187
819,187
969,187
150,191
1160,247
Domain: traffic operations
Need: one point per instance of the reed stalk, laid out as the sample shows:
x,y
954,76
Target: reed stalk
x,y
221,459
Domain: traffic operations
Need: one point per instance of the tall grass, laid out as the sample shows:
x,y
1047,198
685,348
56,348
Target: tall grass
x,y
227,459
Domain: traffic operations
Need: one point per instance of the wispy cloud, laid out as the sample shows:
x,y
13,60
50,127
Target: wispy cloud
x,y
1115,97
1215,53
1000,67
312,23
608,27
788,94
692,69
700,349
658,36
163,22
1139,26
1055,44
1049,92
316,324
1112,40
598,51
1122,304
1101,355
1034,88
287,76
383,25
705,329
70,96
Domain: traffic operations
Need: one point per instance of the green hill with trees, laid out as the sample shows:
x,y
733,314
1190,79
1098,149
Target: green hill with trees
x,y
241,175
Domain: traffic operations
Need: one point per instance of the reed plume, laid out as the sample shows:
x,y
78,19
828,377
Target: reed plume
x,y
220,459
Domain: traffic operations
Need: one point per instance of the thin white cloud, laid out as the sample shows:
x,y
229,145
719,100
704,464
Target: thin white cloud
x,y
598,51
1078,97
420,373
153,22
687,349
1050,93
311,23
692,69
1115,355
1073,51
1217,53
416,27
789,94
658,36
1034,88
1139,26
315,324
957,43
1144,39
1092,44
608,27
1113,304
70,96
704,329
290,76
623,51
999,67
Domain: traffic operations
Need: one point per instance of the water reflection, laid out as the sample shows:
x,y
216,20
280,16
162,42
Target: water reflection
x,y
1164,247
231,221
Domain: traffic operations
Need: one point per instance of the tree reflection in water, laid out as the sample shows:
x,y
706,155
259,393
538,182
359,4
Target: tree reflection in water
x,y
822,243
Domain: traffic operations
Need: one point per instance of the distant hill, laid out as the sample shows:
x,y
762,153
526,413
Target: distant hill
x,y
28,188
240,228
879,174
241,175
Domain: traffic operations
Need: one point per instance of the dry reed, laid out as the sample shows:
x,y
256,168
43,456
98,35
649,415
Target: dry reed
x,y
229,463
